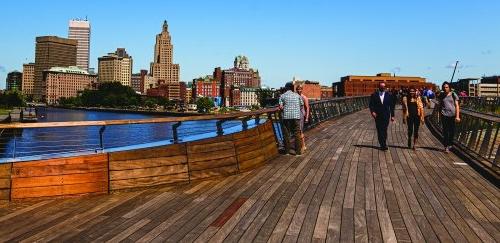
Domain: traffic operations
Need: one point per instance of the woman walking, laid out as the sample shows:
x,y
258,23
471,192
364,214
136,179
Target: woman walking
x,y
413,115
304,114
450,114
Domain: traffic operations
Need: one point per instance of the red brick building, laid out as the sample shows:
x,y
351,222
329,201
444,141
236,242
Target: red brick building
x,y
241,75
354,85
311,89
206,86
326,92
170,91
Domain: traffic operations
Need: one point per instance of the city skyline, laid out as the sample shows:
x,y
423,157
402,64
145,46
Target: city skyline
x,y
320,41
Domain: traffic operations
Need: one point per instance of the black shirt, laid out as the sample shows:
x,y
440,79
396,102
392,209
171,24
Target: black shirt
x,y
412,107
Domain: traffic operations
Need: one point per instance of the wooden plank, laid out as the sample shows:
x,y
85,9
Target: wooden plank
x,y
4,183
218,139
86,159
148,181
5,170
42,181
209,147
251,163
250,133
249,155
5,194
163,151
148,162
195,157
210,164
147,172
203,174
27,171
61,190
248,148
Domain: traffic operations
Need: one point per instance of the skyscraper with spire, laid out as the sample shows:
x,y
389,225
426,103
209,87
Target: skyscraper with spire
x,y
164,71
162,67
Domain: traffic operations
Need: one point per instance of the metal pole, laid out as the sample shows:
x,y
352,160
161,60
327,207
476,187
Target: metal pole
x,y
453,75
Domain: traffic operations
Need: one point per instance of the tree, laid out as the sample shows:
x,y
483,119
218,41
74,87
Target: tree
x,y
204,104
266,97
11,99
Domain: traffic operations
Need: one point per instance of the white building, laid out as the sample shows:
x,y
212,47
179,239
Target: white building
x,y
80,30
249,97
484,89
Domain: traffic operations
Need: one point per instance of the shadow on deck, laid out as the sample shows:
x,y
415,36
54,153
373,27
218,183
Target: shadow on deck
x,y
342,189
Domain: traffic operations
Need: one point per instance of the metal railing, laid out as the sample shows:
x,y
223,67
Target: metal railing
x,y
323,110
33,141
45,140
481,104
477,133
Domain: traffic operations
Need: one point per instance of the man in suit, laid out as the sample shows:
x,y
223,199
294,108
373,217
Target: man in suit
x,y
382,105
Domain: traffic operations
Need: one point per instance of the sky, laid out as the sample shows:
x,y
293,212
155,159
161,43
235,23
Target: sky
x,y
314,40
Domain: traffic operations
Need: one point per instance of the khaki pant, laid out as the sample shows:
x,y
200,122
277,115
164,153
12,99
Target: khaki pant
x,y
292,127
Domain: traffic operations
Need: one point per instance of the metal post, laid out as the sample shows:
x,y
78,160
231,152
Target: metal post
x,y
244,123
15,144
220,130
101,132
175,132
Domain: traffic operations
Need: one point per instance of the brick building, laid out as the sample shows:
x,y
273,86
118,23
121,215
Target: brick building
x,y
326,92
66,82
355,85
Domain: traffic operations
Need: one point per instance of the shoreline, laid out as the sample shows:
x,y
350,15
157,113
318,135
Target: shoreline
x,y
119,110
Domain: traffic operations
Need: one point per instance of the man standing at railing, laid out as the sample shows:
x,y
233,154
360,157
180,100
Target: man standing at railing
x,y
382,110
291,103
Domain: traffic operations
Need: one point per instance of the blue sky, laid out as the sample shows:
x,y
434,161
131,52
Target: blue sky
x,y
315,40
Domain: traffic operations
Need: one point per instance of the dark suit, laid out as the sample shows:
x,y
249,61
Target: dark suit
x,y
384,113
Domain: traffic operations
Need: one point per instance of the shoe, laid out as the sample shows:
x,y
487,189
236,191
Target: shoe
x,y
446,150
414,148
385,148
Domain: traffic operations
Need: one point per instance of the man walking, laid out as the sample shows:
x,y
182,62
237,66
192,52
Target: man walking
x,y
290,102
382,110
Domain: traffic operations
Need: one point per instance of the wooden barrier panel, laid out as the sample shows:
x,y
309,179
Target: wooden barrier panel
x,y
148,167
212,157
60,177
219,156
5,182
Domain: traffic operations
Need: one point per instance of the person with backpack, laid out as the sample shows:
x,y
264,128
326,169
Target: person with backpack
x,y
450,114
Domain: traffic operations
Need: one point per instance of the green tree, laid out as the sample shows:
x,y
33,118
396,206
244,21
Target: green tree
x,y
12,99
204,104
266,97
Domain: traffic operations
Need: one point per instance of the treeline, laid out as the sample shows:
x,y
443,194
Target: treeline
x,y
11,99
114,95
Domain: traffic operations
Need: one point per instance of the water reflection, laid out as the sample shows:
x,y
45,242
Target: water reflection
x,y
47,141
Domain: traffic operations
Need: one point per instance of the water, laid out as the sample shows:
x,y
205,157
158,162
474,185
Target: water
x,y
40,143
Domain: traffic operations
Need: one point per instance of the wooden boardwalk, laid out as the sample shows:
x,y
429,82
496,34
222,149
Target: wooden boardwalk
x,y
342,189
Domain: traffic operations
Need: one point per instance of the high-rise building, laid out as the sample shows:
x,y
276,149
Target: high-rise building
x,y
66,82
28,79
163,69
135,82
80,30
14,81
51,51
116,67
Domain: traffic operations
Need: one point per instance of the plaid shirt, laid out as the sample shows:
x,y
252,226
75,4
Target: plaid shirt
x,y
291,102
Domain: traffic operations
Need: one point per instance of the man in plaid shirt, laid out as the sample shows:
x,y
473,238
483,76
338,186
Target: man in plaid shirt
x,y
290,102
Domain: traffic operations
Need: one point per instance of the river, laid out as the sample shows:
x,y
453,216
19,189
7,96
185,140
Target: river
x,y
37,143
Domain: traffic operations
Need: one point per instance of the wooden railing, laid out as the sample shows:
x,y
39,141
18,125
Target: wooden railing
x,y
64,134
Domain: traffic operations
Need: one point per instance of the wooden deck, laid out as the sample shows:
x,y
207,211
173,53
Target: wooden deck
x,y
342,189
